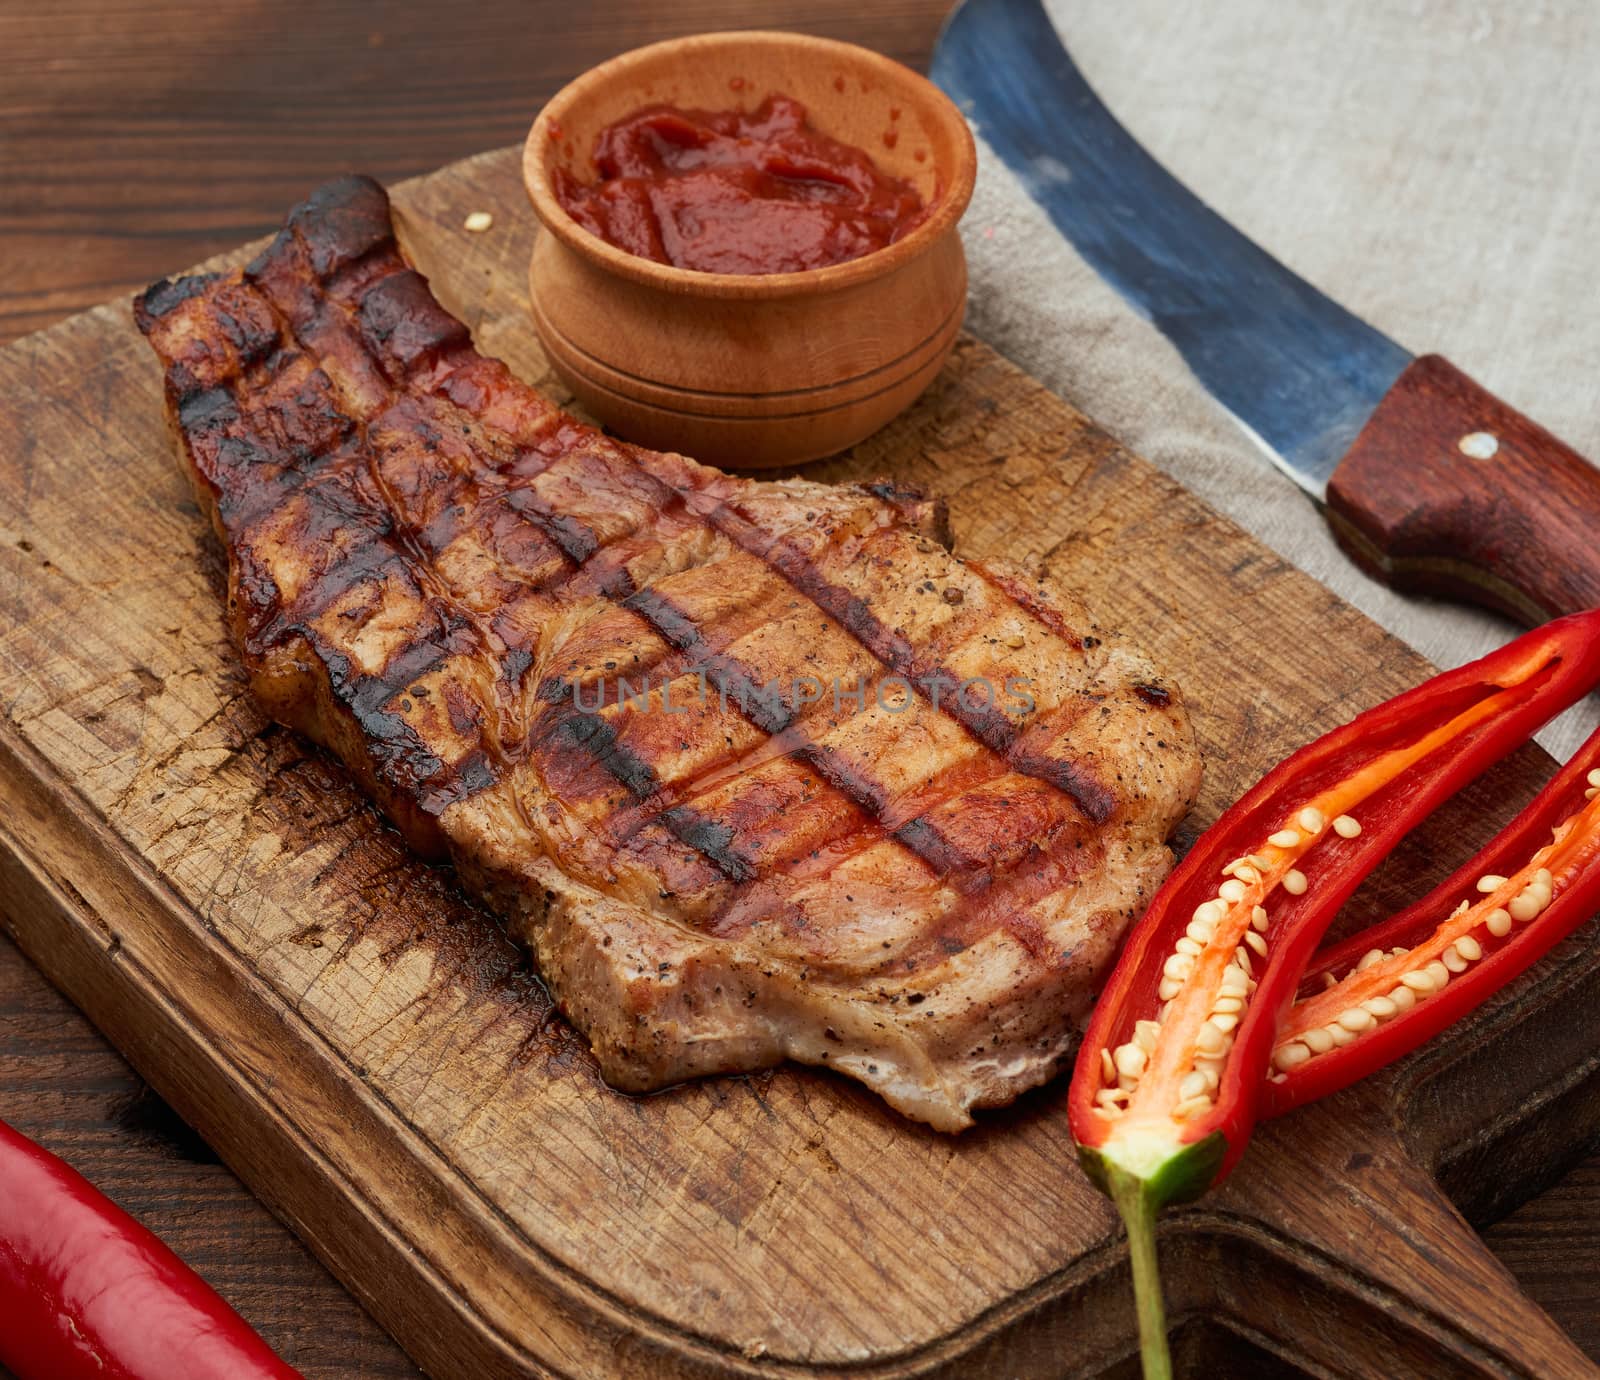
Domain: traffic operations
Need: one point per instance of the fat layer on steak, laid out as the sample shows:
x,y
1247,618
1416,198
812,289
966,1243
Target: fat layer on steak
x,y
757,770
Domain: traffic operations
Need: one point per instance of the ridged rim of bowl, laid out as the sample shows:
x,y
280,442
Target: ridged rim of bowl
x,y
951,206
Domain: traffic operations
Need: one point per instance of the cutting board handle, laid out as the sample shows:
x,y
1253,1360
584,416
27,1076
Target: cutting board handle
x,y
1449,491
1393,1277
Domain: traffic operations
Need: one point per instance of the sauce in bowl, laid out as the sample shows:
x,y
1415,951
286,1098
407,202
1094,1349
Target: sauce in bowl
x,y
737,192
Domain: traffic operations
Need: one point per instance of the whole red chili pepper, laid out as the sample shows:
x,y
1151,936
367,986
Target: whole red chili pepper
x,y
85,1291
1169,1080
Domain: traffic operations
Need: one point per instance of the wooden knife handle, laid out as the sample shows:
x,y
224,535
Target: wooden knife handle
x,y
1449,491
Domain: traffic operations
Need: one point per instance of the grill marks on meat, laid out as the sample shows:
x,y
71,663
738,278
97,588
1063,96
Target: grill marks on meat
x,y
702,740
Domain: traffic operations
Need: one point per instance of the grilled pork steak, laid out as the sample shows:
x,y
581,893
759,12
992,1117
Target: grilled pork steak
x,y
757,770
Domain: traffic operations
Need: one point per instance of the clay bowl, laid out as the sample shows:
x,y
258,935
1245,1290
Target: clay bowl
x,y
740,370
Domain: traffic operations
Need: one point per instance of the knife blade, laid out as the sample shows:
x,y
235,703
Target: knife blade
x,y
1429,481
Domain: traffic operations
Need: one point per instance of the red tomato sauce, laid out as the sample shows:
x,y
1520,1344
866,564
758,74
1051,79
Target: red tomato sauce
x,y
737,192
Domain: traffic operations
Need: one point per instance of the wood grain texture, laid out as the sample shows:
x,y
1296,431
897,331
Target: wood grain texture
x,y
139,135
376,1061
1449,491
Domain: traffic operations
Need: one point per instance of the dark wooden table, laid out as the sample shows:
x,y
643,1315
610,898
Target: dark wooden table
x,y
139,136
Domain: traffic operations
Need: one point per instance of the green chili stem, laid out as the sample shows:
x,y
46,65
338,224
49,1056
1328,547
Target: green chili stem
x,y
1138,1208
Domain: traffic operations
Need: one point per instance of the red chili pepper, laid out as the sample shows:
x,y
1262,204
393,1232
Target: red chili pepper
x,y
1169,1080
85,1291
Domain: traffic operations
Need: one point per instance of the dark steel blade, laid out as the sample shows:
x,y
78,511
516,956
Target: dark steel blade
x,y
1298,371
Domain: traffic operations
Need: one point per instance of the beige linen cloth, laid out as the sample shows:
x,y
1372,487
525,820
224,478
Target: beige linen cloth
x,y
1432,164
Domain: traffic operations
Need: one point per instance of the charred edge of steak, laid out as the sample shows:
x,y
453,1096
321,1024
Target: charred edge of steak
x,y
161,297
342,221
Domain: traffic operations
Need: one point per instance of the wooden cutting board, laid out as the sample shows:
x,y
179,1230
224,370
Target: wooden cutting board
x,y
372,1056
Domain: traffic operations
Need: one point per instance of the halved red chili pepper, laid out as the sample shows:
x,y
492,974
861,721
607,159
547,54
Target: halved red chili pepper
x,y
1389,989
85,1291
1169,1079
